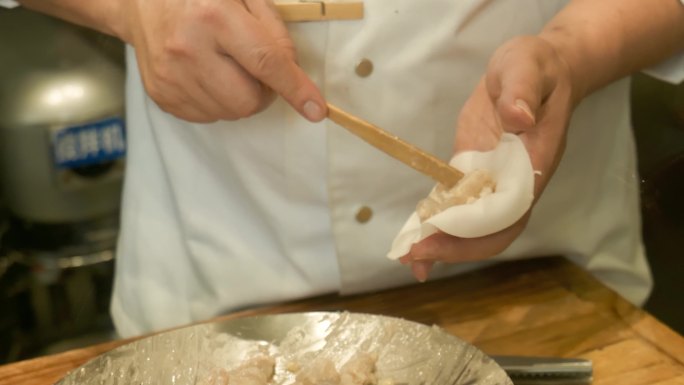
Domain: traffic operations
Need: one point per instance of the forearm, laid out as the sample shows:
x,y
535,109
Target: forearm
x,y
100,15
604,40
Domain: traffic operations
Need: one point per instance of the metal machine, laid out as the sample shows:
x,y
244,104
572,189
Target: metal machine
x,y
62,151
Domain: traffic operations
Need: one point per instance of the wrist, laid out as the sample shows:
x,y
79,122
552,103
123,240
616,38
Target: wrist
x,y
117,21
109,16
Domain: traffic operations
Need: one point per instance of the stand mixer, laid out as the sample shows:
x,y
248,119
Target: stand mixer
x,y
62,152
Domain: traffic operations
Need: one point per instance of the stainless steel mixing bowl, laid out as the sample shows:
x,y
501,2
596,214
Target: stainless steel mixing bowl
x,y
408,352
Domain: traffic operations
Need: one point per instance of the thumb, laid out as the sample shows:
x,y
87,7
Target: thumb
x,y
517,85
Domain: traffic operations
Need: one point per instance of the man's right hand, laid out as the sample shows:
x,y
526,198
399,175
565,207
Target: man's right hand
x,y
217,59
203,60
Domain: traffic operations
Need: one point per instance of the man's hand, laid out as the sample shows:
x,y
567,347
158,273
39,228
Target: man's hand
x,y
527,91
217,59
532,85
203,60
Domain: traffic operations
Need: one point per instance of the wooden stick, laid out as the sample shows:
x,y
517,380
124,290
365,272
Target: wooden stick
x,y
397,148
320,10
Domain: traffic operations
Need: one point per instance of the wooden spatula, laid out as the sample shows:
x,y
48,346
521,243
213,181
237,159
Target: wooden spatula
x,y
397,148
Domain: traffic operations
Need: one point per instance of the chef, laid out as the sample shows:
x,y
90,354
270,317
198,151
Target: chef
x,y
239,193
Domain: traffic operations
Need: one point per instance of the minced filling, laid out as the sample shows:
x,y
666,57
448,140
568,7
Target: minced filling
x,y
473,186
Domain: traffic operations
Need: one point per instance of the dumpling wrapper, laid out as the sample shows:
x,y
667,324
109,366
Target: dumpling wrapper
x,y
510,167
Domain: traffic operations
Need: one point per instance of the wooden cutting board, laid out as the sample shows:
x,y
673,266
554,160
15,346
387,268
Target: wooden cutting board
x,y
543,306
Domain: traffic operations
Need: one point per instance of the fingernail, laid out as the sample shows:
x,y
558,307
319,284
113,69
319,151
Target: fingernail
x,y
313,111
525,108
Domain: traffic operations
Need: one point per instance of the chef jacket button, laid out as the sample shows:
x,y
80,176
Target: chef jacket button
x,y
364,68
364,214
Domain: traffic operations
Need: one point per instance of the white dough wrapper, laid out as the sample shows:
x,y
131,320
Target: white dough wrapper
x,y
510,167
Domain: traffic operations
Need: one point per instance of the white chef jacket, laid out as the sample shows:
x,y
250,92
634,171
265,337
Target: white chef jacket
x,y
223,216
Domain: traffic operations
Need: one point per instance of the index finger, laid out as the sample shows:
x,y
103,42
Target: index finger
x,y
247,40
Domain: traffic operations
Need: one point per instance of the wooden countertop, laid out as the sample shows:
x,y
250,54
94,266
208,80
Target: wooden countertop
x,y
535,307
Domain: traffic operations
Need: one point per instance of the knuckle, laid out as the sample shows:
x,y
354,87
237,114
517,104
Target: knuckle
x,y
161,76
251,103
183,111
193,116
156,94
177,46
249,107
268,96
208,13
267,58
288,47
169,107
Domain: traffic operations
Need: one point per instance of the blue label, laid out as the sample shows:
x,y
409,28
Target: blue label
x,y
88,144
